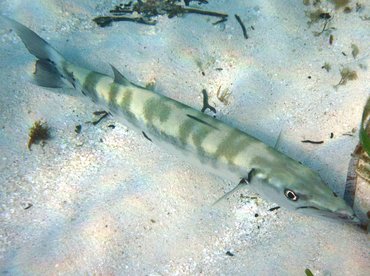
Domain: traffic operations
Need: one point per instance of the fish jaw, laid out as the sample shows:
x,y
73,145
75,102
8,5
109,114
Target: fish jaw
x,y
342,215
328,204
311,195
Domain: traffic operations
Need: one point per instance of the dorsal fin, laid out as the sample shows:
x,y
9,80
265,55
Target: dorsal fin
x,y
278,140
119,78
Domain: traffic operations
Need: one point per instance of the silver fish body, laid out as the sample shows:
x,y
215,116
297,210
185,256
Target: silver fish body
x,y
223,150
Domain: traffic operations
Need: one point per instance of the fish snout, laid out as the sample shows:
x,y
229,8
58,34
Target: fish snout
x,y
348,215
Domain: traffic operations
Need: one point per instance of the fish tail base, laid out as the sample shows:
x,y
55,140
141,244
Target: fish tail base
x,y
47,75
49,71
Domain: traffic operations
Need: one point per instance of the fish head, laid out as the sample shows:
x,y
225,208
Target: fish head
x,y
298,188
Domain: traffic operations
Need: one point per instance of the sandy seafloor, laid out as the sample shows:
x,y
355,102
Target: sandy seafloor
x,y
107,201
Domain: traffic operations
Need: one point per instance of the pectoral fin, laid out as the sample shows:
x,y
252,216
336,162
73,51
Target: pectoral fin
x,y
243,182
121,79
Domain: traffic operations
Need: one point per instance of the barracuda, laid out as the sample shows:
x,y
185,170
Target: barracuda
x,y
208,142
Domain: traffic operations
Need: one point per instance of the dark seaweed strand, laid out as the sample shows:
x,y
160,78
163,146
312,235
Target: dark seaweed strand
x,y
312,142
103,115
324,28
150,9
104,21
146,136
242,25
172,11
206,104
224,19
209,13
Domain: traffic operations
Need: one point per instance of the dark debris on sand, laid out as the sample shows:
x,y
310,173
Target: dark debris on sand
x,y
147,10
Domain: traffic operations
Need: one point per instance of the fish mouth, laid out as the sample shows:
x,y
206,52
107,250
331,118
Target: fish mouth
x,y
341,214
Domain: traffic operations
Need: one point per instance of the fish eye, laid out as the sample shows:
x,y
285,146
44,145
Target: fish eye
x,y
290,195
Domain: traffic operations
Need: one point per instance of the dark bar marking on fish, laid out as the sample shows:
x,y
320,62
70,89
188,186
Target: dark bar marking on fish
x,y
331,135
112,126
90,83
201,121
112,96
242,25
146,136
199,135
312,142
156,109
206,104
231,146
185,129
274,208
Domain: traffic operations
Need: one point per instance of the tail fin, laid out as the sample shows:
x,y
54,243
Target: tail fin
x,y
49,66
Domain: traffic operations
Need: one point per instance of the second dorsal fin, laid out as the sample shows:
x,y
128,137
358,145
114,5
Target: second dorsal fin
x,y
119,78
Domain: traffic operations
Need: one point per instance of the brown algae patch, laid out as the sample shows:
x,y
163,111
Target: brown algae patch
x,y
340,3
39,132
346,75
355,50
224,96
326,66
